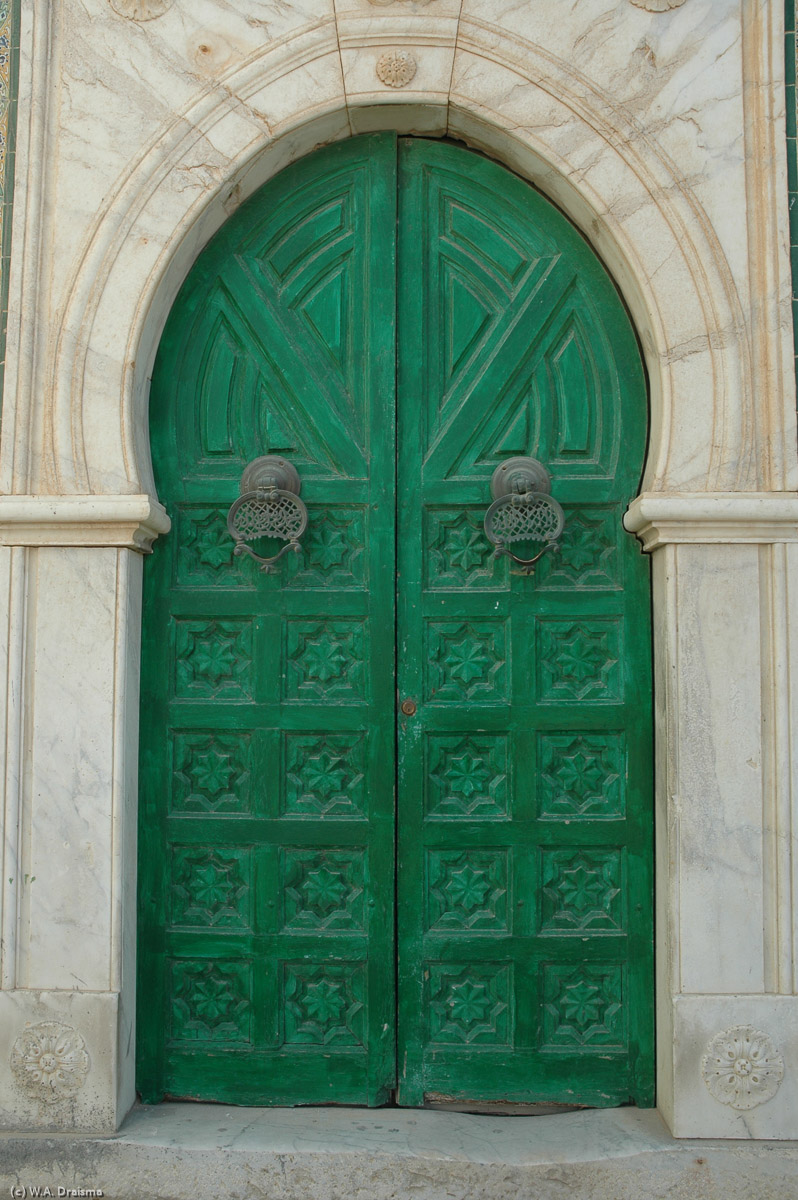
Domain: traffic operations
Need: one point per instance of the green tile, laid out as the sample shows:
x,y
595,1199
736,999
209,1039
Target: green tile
x,y
790,100
792,165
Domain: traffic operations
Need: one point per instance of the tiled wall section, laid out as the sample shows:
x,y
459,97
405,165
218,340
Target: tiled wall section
x,y
791,49
9,54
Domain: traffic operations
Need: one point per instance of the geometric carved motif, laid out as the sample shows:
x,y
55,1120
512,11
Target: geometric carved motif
x,y
211,773
581,890
333,550
742,1067
583,1006
467,776
211,1001
396,68
210,887
323,890
466,661
579,661
50,1062
324,659
459,554
323,1003
582,776
467,889
205,549
213,658
469,1004
324,775
587,552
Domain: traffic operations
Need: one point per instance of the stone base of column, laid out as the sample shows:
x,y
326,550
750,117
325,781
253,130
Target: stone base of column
x,y
734,1068
66,1060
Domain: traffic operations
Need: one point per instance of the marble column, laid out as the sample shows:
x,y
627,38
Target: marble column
x,y
725,578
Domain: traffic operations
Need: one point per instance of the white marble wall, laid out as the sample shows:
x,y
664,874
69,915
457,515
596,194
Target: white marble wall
x,y
143,125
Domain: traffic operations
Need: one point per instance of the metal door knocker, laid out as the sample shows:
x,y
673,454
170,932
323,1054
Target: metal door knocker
x,y
269,506
523,510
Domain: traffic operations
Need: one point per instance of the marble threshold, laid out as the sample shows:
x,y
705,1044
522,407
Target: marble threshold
x,y
176,1150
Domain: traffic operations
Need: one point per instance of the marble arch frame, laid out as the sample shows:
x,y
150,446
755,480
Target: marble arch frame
x,y
616,185
717,503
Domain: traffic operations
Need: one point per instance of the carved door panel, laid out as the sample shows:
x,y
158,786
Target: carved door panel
x,y
524,830
270,811
266,905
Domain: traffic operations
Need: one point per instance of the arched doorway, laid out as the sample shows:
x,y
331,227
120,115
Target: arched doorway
x,y
396,800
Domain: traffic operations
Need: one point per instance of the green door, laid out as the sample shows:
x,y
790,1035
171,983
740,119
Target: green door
x,y
341,901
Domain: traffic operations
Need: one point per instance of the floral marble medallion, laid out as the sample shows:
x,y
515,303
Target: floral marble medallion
x,y
140,10
50,1061
742,1067
396,68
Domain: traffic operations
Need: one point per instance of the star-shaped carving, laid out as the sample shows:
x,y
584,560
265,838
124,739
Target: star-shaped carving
x,y
213,999
211,772
324,658
466,772
581,887
584,656
467,888
582,1004
327,547
323,1002
212,542
213,884
214,659
580,773
467,660
324,773
464,547
468,1003
324,889
582,544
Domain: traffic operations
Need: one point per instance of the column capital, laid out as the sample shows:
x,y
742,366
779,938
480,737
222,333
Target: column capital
x,y
131,522
696,518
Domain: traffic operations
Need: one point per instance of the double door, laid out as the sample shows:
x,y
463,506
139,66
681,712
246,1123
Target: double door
x,y
395,836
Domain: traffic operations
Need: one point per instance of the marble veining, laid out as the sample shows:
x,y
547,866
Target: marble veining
x,y
141,10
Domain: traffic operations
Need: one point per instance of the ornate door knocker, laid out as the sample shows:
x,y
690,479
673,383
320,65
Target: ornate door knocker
x,y
523,510
269,506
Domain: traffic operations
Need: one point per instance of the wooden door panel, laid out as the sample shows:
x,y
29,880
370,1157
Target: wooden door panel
x,y
266,914
524,777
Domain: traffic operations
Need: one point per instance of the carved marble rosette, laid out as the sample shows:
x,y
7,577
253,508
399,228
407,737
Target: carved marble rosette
x,y
742,1067
396,68
140,10
50,1061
